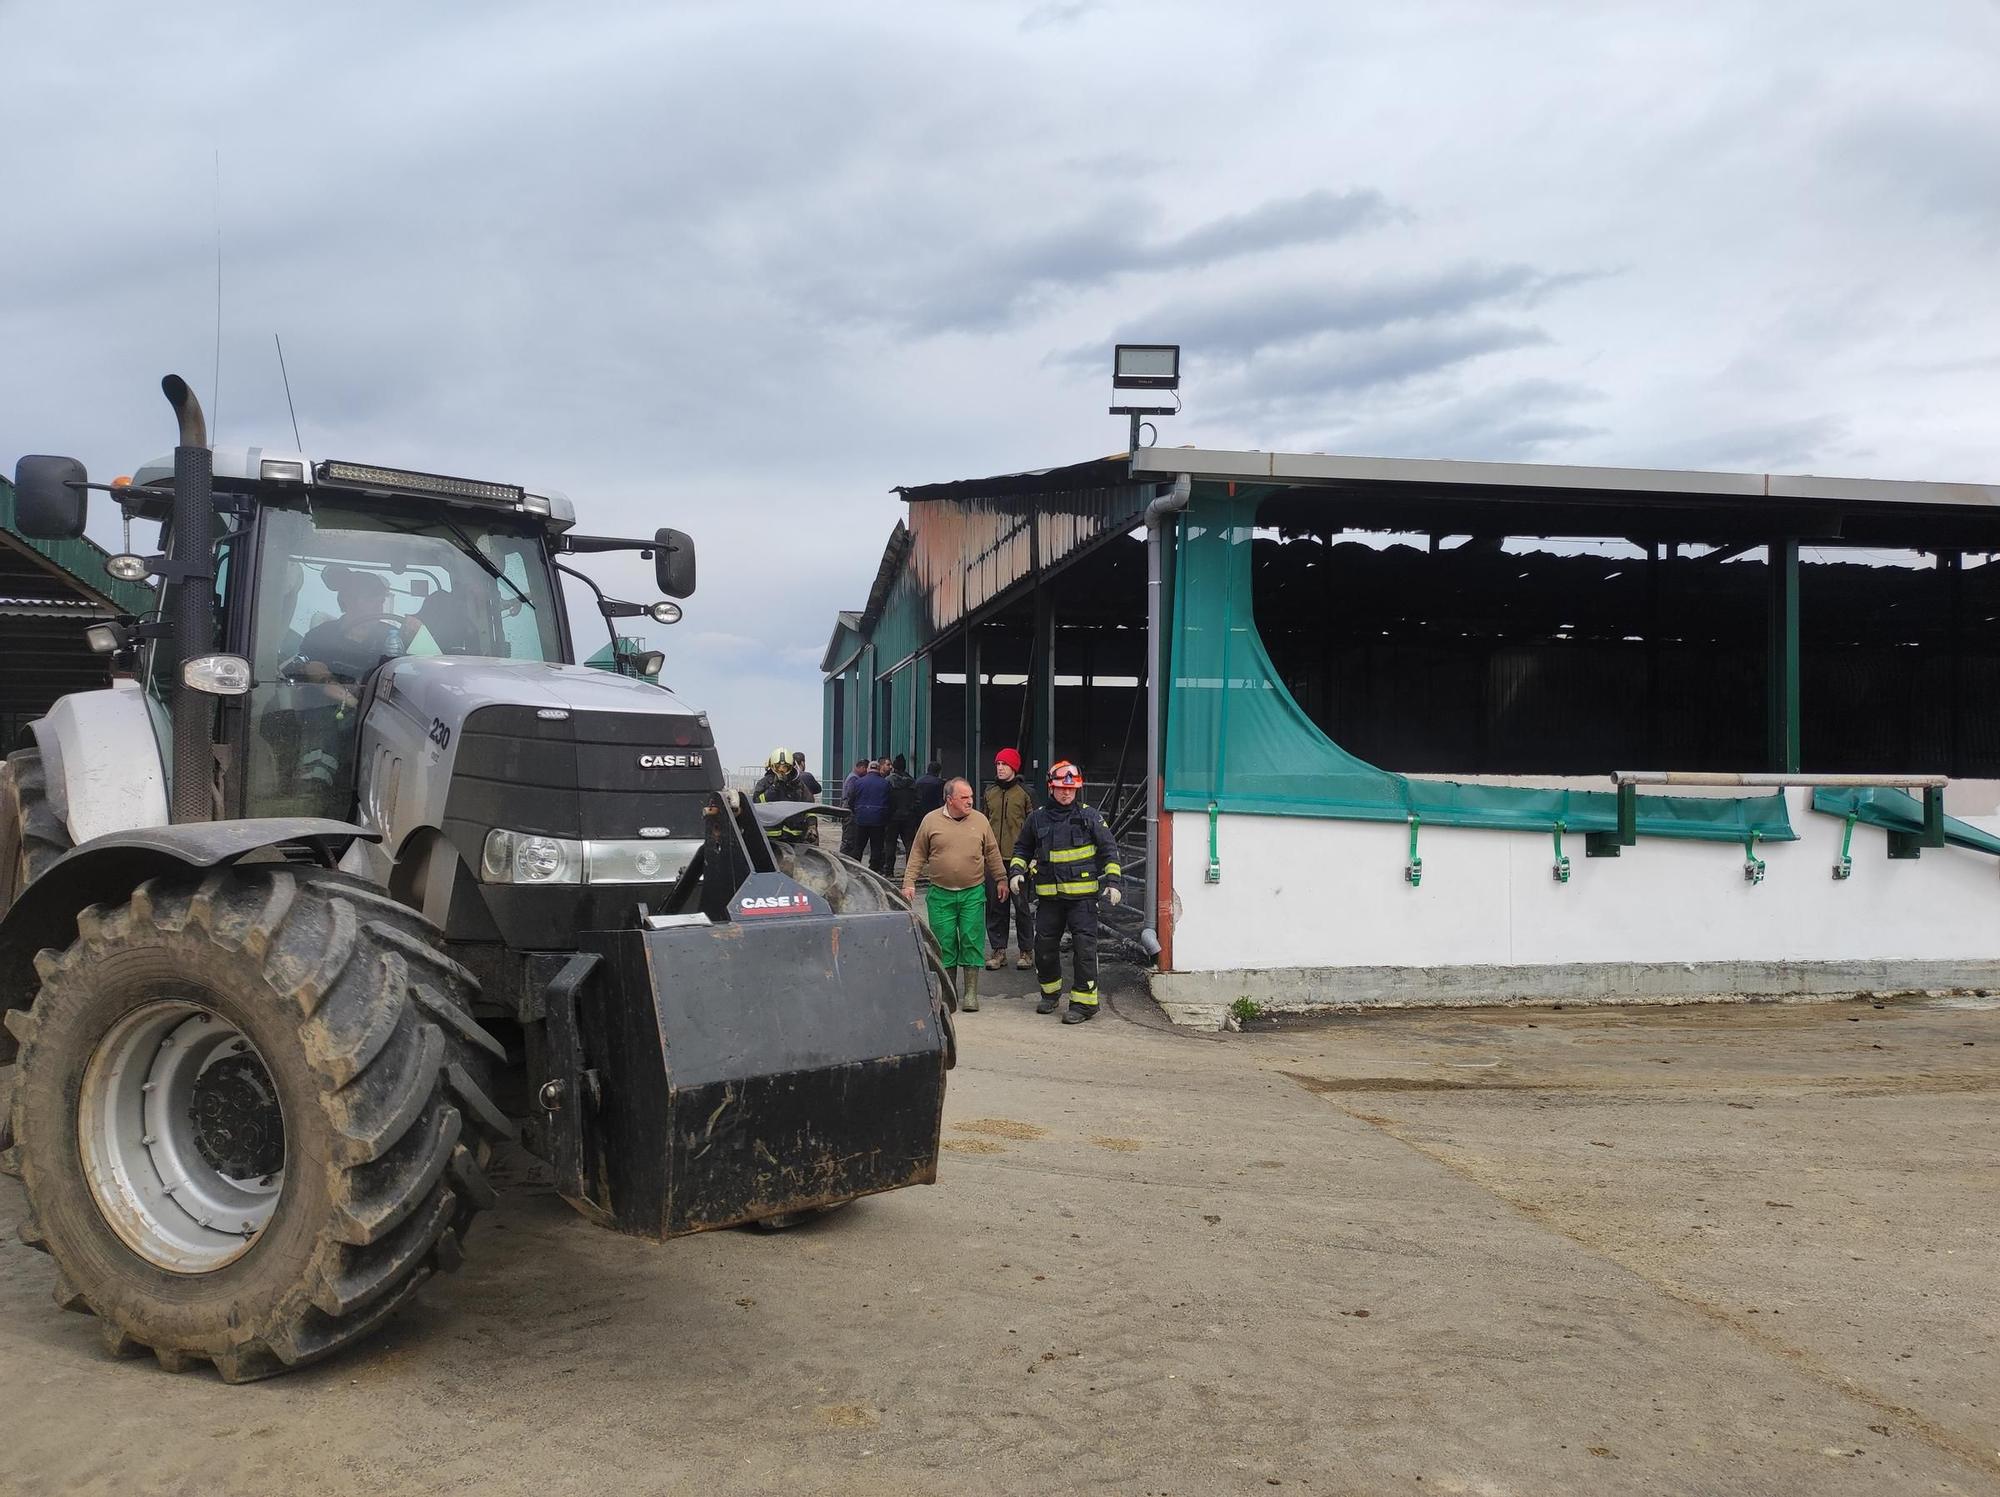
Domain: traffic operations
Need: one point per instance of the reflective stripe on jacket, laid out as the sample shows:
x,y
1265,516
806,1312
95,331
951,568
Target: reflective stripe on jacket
x,y
1070,849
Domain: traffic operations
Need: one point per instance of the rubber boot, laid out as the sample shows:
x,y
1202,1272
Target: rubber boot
x,y
1080,1013
1048,1003
968,990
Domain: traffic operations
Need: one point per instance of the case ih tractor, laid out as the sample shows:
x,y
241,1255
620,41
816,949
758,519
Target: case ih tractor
x,y
360,876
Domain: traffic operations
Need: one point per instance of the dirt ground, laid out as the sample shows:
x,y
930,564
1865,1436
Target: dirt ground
x,y
1743,1250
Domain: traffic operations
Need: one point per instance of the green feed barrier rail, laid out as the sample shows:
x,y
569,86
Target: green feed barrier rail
x,y
1238,742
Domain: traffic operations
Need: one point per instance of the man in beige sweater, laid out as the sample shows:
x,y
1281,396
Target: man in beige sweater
x,y
957,845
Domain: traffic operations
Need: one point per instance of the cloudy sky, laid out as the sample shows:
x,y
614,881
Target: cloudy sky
x,y
742,268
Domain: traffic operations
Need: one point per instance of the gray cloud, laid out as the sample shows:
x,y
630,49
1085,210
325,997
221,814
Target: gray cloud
x,y
1003,272
1238,324
1299,378
1056,13
1513,421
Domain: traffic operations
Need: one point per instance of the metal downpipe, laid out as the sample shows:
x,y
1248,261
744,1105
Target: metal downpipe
x,y
1157,515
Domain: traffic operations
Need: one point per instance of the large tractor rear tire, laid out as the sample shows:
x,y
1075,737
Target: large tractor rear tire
x,y
32,837
253,1115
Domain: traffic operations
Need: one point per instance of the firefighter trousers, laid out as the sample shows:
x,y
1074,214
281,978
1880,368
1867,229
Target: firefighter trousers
x,y
1053,916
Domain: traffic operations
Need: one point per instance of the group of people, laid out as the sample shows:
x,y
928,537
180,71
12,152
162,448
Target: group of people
x,y
887,805
983,862
1063,851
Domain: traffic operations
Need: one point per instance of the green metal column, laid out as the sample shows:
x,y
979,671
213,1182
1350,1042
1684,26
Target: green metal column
x,y
1781,659
1042,682
1952,564
975,758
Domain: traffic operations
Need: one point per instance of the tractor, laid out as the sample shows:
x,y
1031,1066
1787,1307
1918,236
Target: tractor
x,y
353,876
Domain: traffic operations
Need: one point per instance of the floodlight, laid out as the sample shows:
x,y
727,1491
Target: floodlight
x,y
1146,366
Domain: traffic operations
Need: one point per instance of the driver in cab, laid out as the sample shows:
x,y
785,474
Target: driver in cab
x,y
343,650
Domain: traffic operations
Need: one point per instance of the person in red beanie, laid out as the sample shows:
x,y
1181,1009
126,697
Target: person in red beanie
x,y
1008,805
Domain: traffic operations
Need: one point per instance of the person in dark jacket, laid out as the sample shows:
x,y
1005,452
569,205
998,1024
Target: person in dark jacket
x,y
806,777
903,813
871,819
1070,854
930,788
850,834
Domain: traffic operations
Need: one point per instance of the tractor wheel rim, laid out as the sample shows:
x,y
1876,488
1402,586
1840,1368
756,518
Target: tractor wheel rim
x,y
183,1136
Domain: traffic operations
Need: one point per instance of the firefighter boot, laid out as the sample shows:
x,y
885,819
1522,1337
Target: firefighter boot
x,y
968,990
1082,1008
1049,999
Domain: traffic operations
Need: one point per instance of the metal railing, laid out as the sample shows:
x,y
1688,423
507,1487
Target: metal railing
x,y
1901,844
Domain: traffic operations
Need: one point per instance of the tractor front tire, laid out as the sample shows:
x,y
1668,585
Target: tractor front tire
x,y
32,837
290,1046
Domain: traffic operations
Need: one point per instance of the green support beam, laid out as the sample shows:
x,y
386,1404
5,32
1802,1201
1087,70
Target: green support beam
x,y
1781,659
975,757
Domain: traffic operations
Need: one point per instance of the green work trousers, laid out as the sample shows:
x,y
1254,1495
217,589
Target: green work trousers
x,y
958,920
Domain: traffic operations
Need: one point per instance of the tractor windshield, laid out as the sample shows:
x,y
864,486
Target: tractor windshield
x,y
342,588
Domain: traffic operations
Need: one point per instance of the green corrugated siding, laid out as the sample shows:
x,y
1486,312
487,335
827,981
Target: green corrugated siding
x,y
83,560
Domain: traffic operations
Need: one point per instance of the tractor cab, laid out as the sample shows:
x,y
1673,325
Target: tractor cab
x,y
326,571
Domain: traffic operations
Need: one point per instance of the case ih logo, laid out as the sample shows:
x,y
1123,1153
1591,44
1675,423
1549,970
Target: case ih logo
x,y
670,761
777,904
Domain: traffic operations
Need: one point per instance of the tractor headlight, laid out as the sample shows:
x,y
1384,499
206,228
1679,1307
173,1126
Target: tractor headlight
x,y
218,675
530,858
527,858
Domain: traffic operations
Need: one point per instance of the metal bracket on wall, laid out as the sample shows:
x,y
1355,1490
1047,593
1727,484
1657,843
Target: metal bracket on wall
x,y
1610,844
1912,844
1845,867
1561,869
1753,866
1413,871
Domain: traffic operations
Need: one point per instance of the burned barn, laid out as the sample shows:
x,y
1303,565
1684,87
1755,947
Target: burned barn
x,y
1397,730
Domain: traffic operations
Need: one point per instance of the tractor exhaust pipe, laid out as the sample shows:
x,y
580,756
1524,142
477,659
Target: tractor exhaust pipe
x,y
191,575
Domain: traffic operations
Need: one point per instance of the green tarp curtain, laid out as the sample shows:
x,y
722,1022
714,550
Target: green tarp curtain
x,y
1237,739
1899,811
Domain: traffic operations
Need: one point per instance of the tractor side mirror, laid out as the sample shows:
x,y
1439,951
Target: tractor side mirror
x,y
673,562
49,499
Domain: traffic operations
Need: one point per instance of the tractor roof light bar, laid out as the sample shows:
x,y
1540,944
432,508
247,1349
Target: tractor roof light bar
x,y
379,480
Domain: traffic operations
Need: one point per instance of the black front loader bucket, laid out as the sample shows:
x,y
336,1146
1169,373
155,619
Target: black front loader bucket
x,y
712,1073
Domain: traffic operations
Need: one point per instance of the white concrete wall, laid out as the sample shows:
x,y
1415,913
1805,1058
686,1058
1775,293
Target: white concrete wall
x,y
1317,893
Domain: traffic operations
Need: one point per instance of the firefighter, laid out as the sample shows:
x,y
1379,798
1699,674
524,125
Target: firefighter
x,y
781,782
1069,852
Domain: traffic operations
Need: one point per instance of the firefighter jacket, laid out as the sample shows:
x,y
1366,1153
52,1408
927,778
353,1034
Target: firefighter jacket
x,y
780,787
1070,850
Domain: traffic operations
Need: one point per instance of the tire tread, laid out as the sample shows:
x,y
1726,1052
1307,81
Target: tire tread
x,y
384,1021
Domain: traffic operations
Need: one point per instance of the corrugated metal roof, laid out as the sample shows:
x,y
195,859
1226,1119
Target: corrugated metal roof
x,y
1099,472
1621,484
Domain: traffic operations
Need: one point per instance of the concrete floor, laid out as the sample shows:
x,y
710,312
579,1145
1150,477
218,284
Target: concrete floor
x,y
1744,1250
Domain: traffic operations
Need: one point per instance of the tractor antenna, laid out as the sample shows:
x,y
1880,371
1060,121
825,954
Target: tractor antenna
x,y
288,392
215,383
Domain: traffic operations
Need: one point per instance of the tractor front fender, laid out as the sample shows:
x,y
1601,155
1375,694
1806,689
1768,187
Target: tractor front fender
x,y
107,869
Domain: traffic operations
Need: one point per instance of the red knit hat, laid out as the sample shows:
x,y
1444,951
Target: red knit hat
x,y
1010,758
